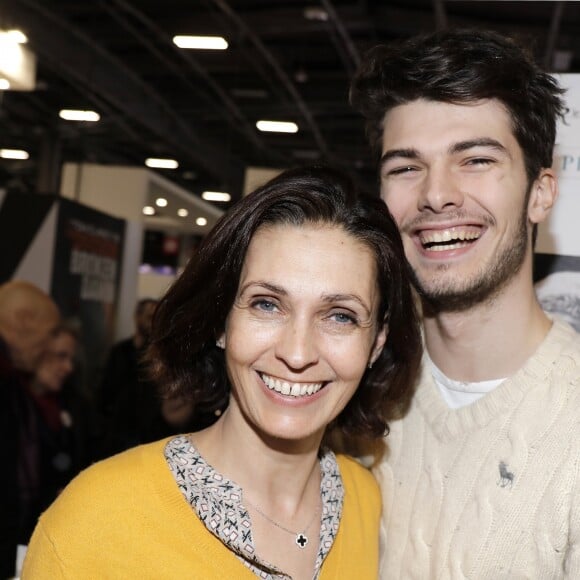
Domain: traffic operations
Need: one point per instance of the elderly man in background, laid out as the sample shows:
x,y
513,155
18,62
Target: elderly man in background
x,y
27,318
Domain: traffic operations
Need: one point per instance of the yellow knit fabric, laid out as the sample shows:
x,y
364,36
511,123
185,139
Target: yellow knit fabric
x,y
125,518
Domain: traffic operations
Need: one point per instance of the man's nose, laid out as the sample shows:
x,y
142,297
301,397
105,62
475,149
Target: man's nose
x,y
440,190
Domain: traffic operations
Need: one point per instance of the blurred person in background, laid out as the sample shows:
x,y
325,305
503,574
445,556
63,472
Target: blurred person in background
x,y
27,318
127,400
65,424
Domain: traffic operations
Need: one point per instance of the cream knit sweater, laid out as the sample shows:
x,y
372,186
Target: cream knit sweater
x,y
492,490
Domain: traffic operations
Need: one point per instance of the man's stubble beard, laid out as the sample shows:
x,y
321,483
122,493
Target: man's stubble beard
x,y
485,284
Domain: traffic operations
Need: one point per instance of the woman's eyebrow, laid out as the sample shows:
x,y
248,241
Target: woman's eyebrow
x,y
265,285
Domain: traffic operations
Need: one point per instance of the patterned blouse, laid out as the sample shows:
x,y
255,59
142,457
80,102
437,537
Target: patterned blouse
x,y
217,501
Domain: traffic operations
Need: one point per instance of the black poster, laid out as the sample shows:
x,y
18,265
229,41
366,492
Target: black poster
x,y
86,273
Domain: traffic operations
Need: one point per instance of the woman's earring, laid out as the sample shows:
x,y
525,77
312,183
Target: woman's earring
x,y
370,365
220,342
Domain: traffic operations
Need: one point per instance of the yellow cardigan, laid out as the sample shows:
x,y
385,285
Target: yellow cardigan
x,y
125,518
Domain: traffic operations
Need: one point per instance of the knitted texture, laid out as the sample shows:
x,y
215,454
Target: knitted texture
x,y
491,490
125,518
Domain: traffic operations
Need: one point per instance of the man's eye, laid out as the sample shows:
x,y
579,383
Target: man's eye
x,y
401,170
480,161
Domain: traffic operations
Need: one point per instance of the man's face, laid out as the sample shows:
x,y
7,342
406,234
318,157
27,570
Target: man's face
x,y
29,339
454,178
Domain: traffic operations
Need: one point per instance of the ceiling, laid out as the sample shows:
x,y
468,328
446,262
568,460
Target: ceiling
x,y
287,60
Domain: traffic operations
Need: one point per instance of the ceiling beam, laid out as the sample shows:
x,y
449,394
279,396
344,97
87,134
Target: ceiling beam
x,y
75,56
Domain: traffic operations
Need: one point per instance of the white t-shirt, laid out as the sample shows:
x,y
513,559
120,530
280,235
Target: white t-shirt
x,y
460,393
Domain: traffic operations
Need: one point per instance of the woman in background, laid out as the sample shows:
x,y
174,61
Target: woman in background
x,y
294,316
60,427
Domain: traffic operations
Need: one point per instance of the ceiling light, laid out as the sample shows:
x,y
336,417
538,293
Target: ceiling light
x,y
17,62
79,115
17,36
157,163
149,210
14,154
182,212
161,202
4,84
216,196
315,13
201,42
277,127
201,221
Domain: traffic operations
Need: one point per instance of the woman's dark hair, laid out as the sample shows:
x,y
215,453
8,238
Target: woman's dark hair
x,y
463,66
183,355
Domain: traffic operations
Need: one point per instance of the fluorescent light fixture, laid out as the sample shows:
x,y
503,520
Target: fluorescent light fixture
x,y
201,221
315,13
157,163
78,115
161,202
277,127
14,154
201,42
149,210
17,62
17,36
4,84
216,196
182,212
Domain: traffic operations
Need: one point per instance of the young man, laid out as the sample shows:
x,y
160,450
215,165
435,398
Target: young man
x,y
482,476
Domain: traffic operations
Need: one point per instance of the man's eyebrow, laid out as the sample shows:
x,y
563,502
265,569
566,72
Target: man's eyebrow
x,y
455,148
404,153
479,142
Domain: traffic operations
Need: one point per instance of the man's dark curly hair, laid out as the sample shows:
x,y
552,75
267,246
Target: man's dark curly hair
x,y
463,66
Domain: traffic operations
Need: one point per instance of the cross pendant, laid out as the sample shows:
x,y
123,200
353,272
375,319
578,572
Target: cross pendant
x,y
301,541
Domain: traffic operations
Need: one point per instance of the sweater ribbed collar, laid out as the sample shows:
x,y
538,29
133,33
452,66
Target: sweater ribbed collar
x,y
451,423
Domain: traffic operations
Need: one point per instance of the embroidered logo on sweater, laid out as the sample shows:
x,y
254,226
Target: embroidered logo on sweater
x,y
506,477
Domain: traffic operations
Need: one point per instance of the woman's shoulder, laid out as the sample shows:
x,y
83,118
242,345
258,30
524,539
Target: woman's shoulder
x,y
112,481
355,474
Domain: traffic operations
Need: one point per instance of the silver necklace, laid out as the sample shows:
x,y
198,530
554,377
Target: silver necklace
x,y
300,538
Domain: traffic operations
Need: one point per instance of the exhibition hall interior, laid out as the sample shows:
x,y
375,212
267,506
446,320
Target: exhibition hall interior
x,y
128,128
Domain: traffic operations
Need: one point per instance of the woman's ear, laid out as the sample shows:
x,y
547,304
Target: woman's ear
x,y
378,345
543,195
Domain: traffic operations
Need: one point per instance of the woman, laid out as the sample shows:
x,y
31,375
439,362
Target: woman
x,y
295,314
59,429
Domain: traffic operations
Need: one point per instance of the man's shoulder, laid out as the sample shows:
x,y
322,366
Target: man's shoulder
x,y
567,340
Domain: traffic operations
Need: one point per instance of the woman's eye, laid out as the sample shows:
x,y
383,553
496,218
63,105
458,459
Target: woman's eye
x,y
264,305
343,318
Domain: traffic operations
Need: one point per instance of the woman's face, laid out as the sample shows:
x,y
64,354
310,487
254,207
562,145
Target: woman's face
x,y
57,363
302,329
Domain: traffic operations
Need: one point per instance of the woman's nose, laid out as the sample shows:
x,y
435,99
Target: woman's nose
x,y
297,345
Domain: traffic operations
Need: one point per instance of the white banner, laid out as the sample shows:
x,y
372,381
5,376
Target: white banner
x,y
557,263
